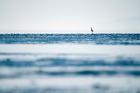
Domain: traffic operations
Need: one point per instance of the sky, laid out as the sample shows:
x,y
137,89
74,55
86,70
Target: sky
x,y
69,16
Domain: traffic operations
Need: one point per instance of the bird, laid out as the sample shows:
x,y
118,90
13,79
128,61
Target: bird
x,y
91,29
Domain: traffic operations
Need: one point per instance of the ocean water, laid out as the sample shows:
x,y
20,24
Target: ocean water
x,y
69,63
108,39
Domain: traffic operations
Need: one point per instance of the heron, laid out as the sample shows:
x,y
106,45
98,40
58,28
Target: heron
x,y
91,29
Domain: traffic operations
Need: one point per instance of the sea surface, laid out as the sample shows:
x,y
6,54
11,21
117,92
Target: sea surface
x,y
106,39
69,63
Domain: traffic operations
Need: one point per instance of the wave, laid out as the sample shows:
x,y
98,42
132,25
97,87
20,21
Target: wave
x,y
68,60
13,65
16,72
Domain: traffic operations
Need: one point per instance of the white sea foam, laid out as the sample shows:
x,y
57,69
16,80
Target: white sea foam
x,y
69,48
114,84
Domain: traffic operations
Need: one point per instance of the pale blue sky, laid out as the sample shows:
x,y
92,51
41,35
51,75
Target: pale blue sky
x,y
68,16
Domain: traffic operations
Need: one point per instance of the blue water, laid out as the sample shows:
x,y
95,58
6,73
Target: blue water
x,y
108,39
53,72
